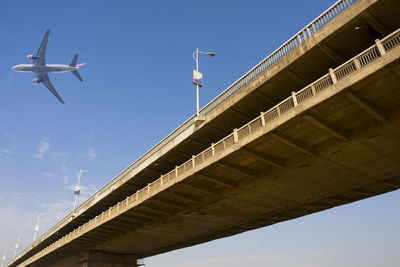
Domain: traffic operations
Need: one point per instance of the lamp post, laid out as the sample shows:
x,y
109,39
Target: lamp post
x,y
196,59
17,245
77,189
36,229
4,256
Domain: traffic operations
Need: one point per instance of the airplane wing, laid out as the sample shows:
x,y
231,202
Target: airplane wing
x,y
41,53
44,78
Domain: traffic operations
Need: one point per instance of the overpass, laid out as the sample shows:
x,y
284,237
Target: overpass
x,y
313,126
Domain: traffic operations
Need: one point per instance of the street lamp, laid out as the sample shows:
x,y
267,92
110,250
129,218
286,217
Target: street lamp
x,y
198,76
77,189
17,245
4,256
36,229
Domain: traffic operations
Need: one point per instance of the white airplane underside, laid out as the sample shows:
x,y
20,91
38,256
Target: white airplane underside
x,y
41,69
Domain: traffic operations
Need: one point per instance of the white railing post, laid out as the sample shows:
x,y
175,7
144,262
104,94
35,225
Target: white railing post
x,y
380,47
357,64
161,180
212,149
308,31
176,171
313,89
193,163
294,98
235,135
262,119
333,76
278,110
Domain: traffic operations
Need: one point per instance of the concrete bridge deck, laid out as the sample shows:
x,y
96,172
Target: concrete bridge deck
x,y
328,145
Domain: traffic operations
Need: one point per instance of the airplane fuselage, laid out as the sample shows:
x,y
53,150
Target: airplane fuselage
x,y
43,69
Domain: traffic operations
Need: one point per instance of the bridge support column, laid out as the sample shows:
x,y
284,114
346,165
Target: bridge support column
x,y
96,258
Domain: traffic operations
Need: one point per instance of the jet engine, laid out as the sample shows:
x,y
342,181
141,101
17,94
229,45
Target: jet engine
x,y
36,81
31,57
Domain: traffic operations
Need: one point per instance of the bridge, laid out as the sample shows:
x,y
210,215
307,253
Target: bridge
x,y
314,125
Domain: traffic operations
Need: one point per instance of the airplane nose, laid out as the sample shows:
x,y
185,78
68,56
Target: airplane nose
x,y
14,68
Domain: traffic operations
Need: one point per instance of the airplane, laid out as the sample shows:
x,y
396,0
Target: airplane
x,y
41,69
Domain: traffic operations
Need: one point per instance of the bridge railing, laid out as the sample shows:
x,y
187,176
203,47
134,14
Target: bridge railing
x,y
270,60
284,49
265,119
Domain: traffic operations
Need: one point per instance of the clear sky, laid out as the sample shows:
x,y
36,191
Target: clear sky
x,y
137,89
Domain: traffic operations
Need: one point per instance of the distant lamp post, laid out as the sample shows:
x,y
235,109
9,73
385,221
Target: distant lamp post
x,y
36,229
77,189
17,245
4,256
198,77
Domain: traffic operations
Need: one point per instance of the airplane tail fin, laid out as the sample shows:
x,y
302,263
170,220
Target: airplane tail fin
x,y
76,74
74,61
73,64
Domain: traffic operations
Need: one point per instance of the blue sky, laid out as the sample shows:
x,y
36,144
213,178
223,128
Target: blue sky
x,y
137,89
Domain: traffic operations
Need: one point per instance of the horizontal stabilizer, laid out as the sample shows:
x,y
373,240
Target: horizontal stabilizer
x,y
76,73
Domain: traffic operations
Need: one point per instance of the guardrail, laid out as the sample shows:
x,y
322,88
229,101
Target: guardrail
x,y
284,49
265,118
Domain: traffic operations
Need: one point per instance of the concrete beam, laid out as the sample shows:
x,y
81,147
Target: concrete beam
x,y
93,238
216,129
264,157
241,114
188,197
182,153
200,143
298,77
140,178
375,23
147,214
338,199
101,237
396,70
163,211
155,171
306,149
331,53
133,217
218,180
238,169
364,192
371,110
202,188
266,98
170,203
113,231
393,185
338,133
129,222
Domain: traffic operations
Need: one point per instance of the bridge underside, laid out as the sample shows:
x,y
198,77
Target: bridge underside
x,y
341,147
